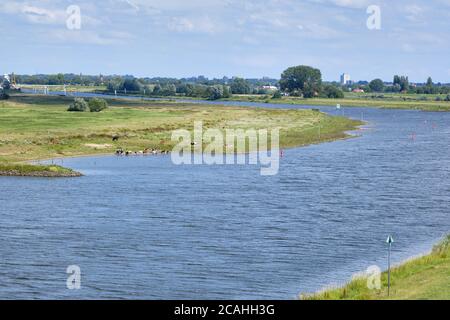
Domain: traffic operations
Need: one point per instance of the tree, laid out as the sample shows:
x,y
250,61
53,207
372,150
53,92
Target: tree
x,y
156,90
306,80
226,92
215,92
276,95
168,90
131,85
182,88
332,92
113,85
240,86
97,105
430,88
78,105
189,90
147,90
376,85
401,82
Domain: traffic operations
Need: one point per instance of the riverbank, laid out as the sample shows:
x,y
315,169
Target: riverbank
x,y
426,277
424,102
28,170
397,103
34,127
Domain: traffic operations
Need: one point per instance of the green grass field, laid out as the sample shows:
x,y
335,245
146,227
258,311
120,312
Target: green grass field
x,y
427,277
39,127
425,102
394,96
358,100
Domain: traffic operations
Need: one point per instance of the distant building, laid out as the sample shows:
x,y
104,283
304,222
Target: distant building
x,y
269,88
345,79
358,90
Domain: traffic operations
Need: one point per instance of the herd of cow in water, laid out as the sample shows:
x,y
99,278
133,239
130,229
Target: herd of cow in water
x,y
145,152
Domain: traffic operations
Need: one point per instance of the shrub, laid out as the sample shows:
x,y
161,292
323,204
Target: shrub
x,y
277,95
240,86
78,105
97,105
214,92
332,92
296,93
131,85
376,85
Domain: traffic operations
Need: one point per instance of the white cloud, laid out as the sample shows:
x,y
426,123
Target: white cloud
x,y
413,12
180,5
133,4
40,15
273,17
352,3
346,3
33,13
10,7
317,31
181,25
39,12
87,37
198,25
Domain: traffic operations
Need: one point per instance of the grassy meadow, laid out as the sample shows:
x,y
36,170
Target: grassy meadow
x,y
425,102
69,88
40,127
389,101
427,277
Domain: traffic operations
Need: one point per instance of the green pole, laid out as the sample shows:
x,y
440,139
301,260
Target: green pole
x,y
389,269
389,241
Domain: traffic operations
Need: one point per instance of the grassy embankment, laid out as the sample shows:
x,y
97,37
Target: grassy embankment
x,y
390,101
39,127
425,102
29,170
427,277
69,88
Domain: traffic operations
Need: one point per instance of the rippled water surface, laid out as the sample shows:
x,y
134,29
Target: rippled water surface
x,y
141,227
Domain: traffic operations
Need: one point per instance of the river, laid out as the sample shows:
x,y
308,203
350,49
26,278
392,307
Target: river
x,y
143,228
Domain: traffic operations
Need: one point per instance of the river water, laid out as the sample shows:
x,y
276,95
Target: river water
x,y
141,227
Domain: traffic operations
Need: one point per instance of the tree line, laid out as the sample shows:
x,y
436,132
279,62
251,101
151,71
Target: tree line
x,y
206,91
401,84
299,81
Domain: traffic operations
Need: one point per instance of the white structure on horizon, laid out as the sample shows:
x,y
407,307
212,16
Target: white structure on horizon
x,y
4,81
269,88
345,79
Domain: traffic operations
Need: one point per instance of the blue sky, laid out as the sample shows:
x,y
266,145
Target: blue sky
x,y
256,38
